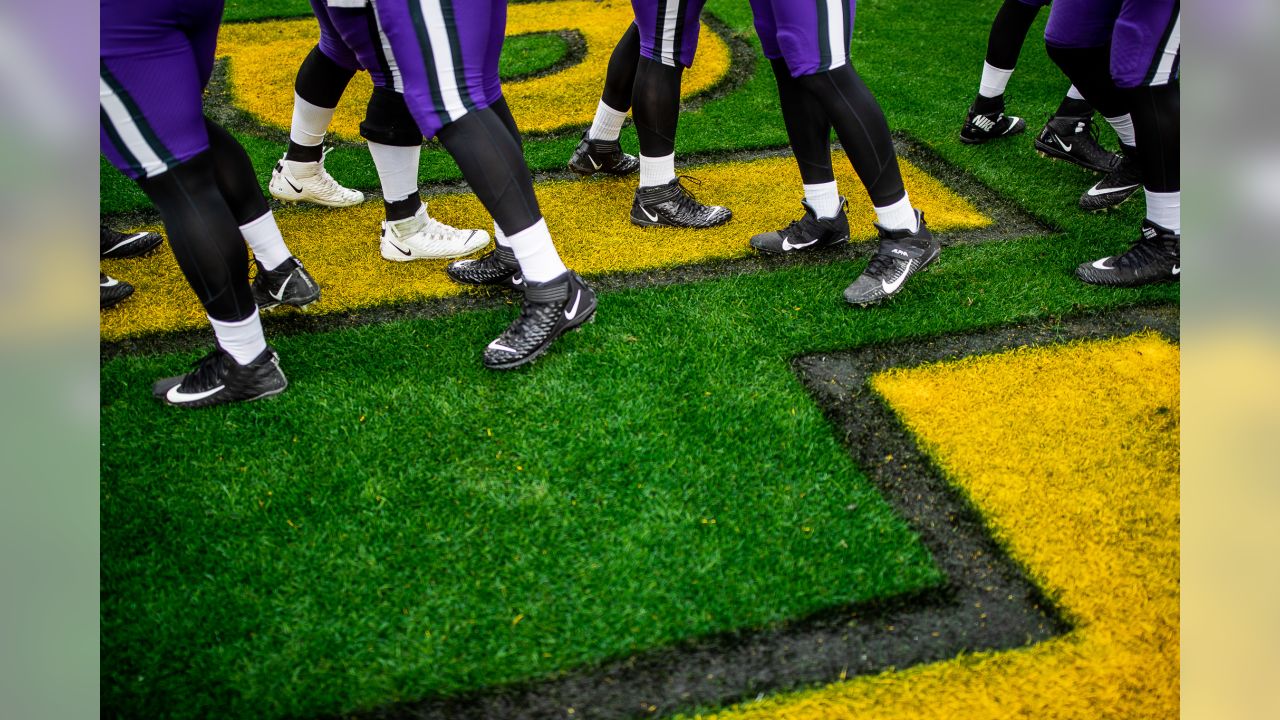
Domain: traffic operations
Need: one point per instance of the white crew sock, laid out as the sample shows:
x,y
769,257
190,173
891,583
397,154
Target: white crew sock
x,y
397,169
539,261
898,216
1165,209
1123,126
657,171
310,122
824,198
264,239
994,80
242,339
500,237
608,123
1074,94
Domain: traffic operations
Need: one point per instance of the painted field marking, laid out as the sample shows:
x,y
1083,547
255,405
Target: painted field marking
x,y
589,220
1072,454
265,57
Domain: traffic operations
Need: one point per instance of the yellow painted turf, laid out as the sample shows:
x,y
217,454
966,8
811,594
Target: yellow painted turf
x,y
1072,455
588,220
265,58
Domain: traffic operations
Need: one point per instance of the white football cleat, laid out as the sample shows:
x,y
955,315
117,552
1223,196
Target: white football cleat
x,y
310,182
422,237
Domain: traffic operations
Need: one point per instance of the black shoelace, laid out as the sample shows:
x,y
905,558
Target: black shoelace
x,y
880,264
207,370
1144,252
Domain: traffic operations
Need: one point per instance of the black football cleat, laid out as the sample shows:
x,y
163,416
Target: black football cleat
x,y
217,379
1154,257
1075,139
901,254
981,127
497,267
116,245
808,233
550,310
112,291
602,156
289,284
671,205
1117,186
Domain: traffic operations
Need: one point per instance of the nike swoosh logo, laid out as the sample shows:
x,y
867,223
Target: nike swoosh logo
x,y
280,295
406,252
495,345
1097,190
177,396
295,187
651,216
517,279
1062,144
573,312
594,164
111,282
786,244
1177,269
891,288
1102,264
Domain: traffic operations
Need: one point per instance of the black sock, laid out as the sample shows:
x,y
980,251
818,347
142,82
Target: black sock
x,y
1008,32
656,107
807,127
863,131
1071,107
988,105
1089,69
620,78
204,236
492,164
402,209
1156,126
234,174
304,153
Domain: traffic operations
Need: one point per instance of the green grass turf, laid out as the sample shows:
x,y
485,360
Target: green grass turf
x,y
291,556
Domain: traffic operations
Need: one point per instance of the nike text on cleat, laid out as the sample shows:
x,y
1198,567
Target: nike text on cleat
x,y
115,245
809,232
1083,148
900,255
984,127
289,284
671,205
310,182
1154,257
497,267
550,310
422,237
112,291
1117,186
217,378
606,156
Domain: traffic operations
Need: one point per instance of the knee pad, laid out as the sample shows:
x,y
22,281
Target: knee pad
x,y
387,120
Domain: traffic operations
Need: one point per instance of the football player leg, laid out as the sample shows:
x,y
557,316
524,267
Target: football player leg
x,y
824,223
668,38
986,120
450,101
1077,38
1145,54
599,150
152,72
300,175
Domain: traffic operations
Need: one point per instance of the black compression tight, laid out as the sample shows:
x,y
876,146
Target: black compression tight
x,y
863,131
808,129
1156,126
620,78
503,111
204,236
234,174
1089,69
656,107
1008,32
492,164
